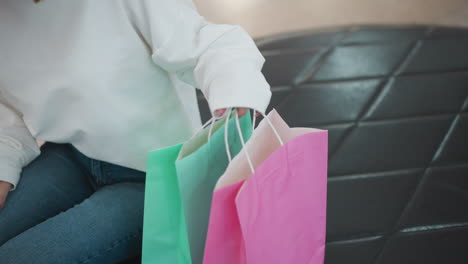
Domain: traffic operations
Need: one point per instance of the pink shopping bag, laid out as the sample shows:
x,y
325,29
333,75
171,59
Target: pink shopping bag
x,y
270,204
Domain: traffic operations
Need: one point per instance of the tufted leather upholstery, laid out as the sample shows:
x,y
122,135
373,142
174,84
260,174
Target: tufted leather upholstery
x,y
395,102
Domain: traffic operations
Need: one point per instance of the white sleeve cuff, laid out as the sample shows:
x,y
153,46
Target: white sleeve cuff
x,y
10,174
239,86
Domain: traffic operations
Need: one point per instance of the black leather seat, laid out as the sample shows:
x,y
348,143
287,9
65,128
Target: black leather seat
x,y
395,102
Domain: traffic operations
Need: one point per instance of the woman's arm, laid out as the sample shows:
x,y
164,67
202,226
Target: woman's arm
x,y
221,60
17,146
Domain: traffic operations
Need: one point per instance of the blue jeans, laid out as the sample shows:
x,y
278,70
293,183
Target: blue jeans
x,y
69,208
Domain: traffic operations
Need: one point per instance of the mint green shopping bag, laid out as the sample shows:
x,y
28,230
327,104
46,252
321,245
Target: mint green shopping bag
x,y
179,184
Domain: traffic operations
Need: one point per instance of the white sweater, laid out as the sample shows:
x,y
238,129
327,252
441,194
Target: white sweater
x,y
115,78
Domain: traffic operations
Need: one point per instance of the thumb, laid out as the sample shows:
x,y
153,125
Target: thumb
x,y
4,190
3,197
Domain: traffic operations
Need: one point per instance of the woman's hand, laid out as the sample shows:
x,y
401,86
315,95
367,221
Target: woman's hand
x,y
241,111
4,190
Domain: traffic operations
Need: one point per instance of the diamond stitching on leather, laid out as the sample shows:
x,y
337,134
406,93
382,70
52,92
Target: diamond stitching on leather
x,y
414,111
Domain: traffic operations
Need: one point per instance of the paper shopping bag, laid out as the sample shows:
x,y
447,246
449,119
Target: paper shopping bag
x,y
179,186
277,213
198,173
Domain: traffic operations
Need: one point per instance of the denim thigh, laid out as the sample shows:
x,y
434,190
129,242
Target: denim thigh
x,y
52,183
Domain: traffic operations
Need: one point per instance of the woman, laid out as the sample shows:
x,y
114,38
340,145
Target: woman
x,y
103,82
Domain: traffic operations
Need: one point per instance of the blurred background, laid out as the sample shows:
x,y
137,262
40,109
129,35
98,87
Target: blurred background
x,y
266,17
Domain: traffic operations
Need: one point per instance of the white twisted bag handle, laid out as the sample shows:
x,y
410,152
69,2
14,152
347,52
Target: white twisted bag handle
x,y
226,141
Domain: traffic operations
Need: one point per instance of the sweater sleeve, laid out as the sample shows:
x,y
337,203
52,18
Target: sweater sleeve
x,y
17,146
222,60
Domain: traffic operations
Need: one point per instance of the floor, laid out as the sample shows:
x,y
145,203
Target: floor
x,y
266,17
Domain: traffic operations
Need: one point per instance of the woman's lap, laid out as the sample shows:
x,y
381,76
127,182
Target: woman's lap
x,y
56,216
49,185
104,228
